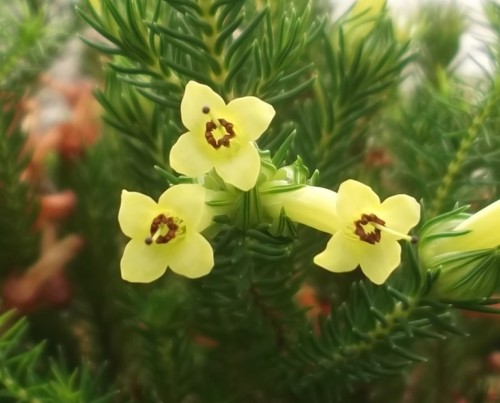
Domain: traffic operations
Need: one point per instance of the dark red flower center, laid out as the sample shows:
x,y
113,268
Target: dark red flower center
x,y
365,229
227,130
163,229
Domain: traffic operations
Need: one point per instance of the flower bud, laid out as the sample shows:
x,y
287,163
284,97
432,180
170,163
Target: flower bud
x,y
465,249
362,19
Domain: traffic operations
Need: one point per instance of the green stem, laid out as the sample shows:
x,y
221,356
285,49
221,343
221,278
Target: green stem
x,y
210,40
351,343
372,337
462,152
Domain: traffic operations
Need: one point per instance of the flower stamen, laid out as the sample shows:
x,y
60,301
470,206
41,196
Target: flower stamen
x,y
409,238
225,129
163,229
369,221
369,229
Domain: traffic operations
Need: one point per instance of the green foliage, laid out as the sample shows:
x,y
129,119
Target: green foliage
x,y
355,78
368,336
438,48
146,130
162,351
447,148
98,195
27,376
29,42
255,305
18,247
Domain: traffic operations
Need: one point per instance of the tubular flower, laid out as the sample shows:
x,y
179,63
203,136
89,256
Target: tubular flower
x,y
310,205
220,136
288,190
165,234
482,232
466,250
368,232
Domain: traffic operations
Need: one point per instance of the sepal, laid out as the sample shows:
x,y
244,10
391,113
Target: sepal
x,y
467,275
171,178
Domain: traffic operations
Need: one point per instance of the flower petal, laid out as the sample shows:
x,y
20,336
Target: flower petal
x,y
187,200
379,261
354,199
251,116
189,157
241,169
400,213
484,230
192,256
143,263
136,213
337,257
196,97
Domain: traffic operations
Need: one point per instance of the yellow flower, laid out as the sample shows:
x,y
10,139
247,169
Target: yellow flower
x,y
165,234
362,19
220,136
310,205
96,4
483,227
373,8
287,189
465,250
368,232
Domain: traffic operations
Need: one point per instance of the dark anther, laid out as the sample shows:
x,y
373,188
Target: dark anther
x,y
372,237
224,140
162,219
414,239
206,109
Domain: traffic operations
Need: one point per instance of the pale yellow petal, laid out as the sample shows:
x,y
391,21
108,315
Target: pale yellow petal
x,y
189,157
354,199
312,206
136,213
143,263
251,116
187,200
400,213
380,260
196,97
484,227
192,256
241,169
337,257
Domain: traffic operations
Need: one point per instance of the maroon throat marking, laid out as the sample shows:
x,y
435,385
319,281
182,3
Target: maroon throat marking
x,y
371,237
162,219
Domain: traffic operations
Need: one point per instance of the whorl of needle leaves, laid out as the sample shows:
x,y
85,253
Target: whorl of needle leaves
x,y
27,374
